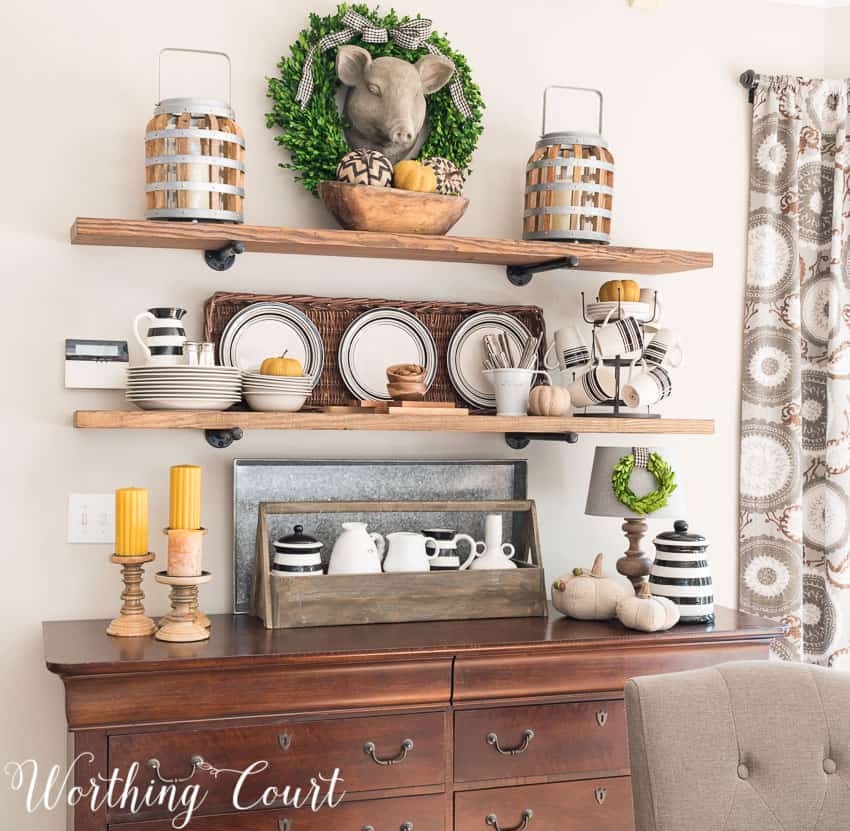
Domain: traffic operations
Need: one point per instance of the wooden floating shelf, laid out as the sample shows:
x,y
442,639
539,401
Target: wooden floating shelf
x,y
249,420
335,243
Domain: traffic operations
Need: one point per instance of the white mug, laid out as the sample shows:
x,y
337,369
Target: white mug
x,y
623,338
512,387
653,299
447,541
598,384
570,350
664,349
647,387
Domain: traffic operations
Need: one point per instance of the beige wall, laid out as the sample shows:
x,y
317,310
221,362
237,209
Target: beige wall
x,y
79,86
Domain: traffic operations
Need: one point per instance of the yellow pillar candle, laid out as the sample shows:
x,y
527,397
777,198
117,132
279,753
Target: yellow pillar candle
x,y
131,522
185,503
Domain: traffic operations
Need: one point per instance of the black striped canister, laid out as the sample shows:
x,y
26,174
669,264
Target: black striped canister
x,y
681,573
298,555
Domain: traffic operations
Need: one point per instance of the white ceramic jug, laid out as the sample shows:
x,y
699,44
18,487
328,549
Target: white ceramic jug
x,y
357,551
496,554
408,551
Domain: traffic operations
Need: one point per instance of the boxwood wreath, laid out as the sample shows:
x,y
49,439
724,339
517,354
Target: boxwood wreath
x,y
665,478
314,135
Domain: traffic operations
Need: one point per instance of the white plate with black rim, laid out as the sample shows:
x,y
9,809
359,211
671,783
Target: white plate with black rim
x,y
465,355
264,330
377,339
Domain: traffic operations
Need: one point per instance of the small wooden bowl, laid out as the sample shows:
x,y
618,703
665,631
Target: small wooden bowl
x,y
406,391
396,376
370,208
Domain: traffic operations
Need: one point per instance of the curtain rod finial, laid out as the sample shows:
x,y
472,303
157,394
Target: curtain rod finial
x,y
748,79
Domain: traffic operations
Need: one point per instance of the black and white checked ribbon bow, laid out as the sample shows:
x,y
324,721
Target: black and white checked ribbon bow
x,y
411,35
641,455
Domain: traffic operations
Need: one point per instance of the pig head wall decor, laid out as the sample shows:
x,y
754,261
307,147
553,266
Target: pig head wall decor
x,y
385,102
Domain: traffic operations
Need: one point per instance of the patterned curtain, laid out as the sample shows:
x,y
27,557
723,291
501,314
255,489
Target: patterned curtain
x,y
795,424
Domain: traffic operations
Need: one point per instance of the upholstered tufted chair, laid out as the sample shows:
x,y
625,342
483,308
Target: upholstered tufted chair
x,y
748,746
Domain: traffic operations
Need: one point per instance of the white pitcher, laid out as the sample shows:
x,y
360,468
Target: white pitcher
x,y
357,551
408,551
166,337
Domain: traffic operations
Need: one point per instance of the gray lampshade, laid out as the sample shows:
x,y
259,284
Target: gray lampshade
x,y
600,494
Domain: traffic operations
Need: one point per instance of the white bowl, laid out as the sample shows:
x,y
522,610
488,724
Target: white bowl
x,y
277,402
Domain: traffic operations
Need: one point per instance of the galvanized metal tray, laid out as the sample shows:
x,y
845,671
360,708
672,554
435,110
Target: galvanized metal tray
x,y
269,480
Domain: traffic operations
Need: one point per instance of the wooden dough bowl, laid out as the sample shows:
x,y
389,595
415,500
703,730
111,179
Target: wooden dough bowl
x,y
368,208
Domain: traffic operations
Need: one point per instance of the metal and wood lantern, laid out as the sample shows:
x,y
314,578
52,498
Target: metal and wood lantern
x,y
194,158
569,184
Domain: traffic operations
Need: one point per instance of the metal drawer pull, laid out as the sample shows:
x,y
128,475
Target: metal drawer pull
x,y
602,717
406,826
284,825
196,762
527,736
527,816
600,794
406,746
285,741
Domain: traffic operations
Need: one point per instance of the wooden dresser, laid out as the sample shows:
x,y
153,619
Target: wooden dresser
x,y
492,725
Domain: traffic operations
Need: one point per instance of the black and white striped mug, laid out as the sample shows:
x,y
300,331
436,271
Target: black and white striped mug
x,y
163,345
619,338
664,349
647,387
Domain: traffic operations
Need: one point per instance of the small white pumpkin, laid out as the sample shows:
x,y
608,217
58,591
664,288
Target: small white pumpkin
x,y
646,612
549,401
589,595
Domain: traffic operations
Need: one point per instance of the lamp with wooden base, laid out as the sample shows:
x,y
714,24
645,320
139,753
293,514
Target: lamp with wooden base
x,y
132,622
182,625
601,501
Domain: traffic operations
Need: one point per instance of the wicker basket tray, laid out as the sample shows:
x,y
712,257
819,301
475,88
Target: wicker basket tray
x,y
333,314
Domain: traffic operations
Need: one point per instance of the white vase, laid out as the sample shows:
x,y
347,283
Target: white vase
x,y
356,551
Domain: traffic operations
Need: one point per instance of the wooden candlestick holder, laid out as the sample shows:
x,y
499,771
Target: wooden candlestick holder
x,y
635,564
182,624
132,622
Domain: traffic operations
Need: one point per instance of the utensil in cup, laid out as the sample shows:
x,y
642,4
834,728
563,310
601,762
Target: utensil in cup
x,y
512,387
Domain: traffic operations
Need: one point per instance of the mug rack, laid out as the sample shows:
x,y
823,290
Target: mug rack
x,y
616,404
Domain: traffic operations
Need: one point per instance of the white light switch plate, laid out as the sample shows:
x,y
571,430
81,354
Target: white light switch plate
x,y
91,518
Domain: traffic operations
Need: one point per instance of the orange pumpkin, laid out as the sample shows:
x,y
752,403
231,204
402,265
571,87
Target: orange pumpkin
x,y
625,290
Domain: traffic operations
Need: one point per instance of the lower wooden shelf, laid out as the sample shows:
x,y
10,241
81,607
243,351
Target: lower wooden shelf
x,y
249,420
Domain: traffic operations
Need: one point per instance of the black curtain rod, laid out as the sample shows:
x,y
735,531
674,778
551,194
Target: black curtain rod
x,y
749,81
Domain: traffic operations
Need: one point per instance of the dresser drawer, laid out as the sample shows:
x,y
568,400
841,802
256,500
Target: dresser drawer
x,y
598,804
372,753
586,737
423,813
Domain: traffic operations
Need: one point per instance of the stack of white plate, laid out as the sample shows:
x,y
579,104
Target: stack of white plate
x,y
184,387
276,393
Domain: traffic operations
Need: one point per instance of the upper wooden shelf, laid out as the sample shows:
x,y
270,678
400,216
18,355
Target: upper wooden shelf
x,y
249,420
334,243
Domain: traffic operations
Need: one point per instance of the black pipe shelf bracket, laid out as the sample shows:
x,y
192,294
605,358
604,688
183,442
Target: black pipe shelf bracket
x,y
222,259
520,275
519,441
222,439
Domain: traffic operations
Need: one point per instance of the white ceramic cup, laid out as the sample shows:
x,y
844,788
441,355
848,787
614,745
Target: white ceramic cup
x,y
664,349
648,387
408,551
619,338
570,350
512,387
653,299
596,385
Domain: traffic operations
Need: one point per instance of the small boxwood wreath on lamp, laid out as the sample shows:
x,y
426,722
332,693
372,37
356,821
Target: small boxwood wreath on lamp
x,y
313,132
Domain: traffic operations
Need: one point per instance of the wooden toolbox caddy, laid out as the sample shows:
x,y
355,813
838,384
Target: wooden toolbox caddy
x,y
287,602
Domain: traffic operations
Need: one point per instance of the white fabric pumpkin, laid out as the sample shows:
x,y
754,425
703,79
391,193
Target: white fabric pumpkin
x,y
589,595
647,613
549,401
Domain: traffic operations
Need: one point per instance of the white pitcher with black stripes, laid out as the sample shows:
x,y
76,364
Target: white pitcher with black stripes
x,y
165,340
681,572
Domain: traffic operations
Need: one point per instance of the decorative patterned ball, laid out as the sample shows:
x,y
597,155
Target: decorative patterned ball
x,y
365,167
449,178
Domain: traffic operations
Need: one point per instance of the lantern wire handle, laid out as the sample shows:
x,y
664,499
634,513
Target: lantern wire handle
x,y
194,52
596,92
